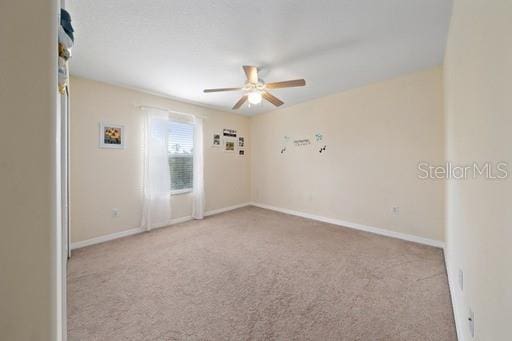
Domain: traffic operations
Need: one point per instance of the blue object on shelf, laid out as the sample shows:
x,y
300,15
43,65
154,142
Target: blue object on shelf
x,y
65,22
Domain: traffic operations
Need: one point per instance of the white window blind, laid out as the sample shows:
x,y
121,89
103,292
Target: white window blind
x,y
180,146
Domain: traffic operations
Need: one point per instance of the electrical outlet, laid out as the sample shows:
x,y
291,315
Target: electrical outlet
x,y
461,280
471,320
115,212
396,210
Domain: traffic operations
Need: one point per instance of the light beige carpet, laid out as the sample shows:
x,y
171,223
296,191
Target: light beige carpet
x,y
254,274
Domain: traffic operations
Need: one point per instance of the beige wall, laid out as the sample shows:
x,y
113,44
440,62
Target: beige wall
x,y
478,74
103,179
28,99
375,137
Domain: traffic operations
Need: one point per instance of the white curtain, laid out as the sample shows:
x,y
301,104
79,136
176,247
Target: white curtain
x,y
198,186
156,182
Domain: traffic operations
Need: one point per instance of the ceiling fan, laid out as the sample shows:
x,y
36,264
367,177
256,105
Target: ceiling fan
x,y
257,89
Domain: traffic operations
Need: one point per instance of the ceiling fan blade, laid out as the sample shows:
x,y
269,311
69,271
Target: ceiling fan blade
x,y
252,73
272,99
240,102
221,89
286,84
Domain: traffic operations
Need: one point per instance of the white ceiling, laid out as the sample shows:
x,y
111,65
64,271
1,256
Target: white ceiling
x,y
180,47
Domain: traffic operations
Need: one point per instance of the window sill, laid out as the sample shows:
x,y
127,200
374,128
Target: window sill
x,y
181,191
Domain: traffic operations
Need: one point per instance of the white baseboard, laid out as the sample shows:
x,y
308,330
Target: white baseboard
x,y
225,209
371,229
102,239
454,298
356,226
137,230
180,220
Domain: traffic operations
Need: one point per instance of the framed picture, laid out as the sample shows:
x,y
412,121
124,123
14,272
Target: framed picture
x,y
229,146
229,133
241,152
112,136
216,141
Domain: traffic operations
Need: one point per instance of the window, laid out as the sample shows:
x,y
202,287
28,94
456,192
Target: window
x,y
181,160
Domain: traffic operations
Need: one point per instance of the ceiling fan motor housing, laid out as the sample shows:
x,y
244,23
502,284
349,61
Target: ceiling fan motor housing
x,y
248,86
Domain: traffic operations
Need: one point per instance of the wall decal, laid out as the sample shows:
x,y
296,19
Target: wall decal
x,y
318,139
302,142
286,139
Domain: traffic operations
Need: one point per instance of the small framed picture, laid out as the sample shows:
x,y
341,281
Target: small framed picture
x,y
216,141
229,146
112,136
241,152
229,133
241,141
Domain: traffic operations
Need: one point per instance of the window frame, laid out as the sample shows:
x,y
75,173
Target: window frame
x,y
181,191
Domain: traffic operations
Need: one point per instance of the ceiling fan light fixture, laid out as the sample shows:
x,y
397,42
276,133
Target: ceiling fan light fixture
x,y
256,90
254,97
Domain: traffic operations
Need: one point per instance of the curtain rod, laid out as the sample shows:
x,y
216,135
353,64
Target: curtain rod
x,y
150,107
